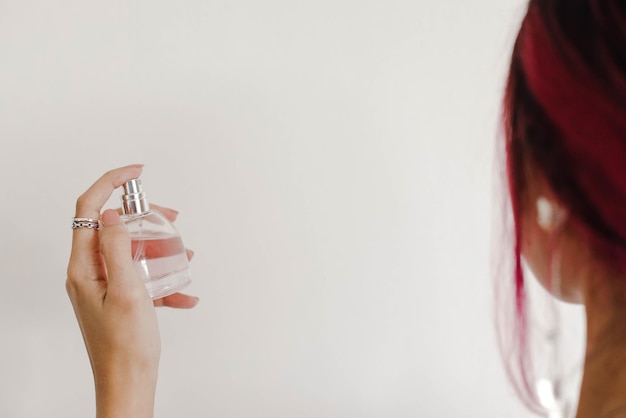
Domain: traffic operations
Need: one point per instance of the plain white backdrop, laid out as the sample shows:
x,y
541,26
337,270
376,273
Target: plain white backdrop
x,y
332,164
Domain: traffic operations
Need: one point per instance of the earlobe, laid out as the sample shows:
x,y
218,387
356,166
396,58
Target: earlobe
x,y
550,216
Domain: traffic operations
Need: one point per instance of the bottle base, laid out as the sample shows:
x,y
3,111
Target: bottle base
x,y
169,284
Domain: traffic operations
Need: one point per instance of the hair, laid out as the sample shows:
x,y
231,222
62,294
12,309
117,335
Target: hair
x,y
564,117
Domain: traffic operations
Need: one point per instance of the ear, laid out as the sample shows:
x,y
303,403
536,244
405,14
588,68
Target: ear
x,y
550,215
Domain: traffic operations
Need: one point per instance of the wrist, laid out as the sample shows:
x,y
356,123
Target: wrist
x,y
125,392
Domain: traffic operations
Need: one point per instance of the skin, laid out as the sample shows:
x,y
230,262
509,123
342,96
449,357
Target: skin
x,y
114,311
119,325
585,279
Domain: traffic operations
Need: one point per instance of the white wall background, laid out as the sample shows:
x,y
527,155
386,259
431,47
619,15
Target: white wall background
x,y
331,161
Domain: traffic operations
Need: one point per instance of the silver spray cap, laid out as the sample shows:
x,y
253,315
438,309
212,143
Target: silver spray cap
x,y
134,200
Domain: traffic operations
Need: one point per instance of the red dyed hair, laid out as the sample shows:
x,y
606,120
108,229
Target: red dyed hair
x,y
565,117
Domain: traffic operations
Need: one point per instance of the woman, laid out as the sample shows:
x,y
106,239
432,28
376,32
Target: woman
x,y
565,149
112,305
565,122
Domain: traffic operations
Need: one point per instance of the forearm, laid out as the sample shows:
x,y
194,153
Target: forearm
x,y
125,394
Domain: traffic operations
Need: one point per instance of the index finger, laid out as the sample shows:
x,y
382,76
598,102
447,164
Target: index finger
x,y
90,203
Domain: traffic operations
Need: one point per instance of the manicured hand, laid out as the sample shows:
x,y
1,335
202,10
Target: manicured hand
x,y
112,305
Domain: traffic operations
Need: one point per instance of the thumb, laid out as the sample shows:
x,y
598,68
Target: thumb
x,y
116,251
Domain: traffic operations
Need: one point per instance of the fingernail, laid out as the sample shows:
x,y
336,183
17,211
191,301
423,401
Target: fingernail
x,y
110,217
135,166
174,212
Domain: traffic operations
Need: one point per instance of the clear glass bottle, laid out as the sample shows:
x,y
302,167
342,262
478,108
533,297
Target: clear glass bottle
x,y
158,250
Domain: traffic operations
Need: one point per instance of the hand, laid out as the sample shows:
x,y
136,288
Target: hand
x,y
112,306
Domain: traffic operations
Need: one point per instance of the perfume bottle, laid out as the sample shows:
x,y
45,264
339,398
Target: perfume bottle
x,y
158,251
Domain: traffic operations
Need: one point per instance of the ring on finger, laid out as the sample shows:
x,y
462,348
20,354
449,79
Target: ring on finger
x,y
85,223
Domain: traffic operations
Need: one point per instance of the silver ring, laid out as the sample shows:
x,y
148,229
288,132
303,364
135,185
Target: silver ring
x,y
85,223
